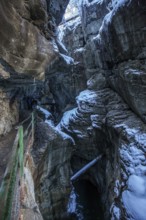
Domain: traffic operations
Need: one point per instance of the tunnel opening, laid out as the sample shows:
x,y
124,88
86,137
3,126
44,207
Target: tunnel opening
x,y
86,198
85,201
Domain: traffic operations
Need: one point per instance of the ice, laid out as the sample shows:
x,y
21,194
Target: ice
x,y
134,198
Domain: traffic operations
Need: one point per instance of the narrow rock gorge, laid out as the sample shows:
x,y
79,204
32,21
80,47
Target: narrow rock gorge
x,y
80,66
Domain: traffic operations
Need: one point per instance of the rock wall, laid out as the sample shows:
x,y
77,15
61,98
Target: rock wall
x,y
52,152
108,46
28,35
28,44
110,114
9,112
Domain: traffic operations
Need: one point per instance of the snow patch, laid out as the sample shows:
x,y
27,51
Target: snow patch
x,y
72,202
134,198
66,117
67,59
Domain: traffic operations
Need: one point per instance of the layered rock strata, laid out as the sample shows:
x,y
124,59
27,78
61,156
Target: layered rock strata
x,y
110,116
28,35
103,124
52,153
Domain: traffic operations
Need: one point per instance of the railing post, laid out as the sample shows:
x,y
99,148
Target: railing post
x,y
21,150
8,184
32,126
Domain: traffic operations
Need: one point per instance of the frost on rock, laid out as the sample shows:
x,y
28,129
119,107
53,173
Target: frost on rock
x,y
66,117
116,213
45,112
72,202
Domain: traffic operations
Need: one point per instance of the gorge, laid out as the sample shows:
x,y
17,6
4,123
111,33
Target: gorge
x,y
81,67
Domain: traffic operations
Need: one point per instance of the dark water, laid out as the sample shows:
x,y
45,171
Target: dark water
x,y
85,201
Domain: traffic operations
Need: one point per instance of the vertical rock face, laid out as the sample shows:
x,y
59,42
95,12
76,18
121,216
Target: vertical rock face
x,y
29,207
27,34
122,38
9,112
110,114
92,15
23,44
27,47
108,46
52,153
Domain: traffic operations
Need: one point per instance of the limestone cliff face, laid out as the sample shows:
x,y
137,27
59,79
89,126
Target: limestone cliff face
x,y
27,47
27,35
52,154
108,46
110,114
103,124
23,44
120,47
9,112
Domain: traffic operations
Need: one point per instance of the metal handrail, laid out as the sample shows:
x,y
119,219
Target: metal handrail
x,y
14,169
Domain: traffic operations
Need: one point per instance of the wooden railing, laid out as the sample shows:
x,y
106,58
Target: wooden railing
x,y
10,186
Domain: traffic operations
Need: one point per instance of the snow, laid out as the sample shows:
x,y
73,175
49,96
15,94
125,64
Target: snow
x,y
67,59
66,117
73,206
62,45
49,122
118,3
45,112
134,198
133,159
114,3
116,188
80,50
86,2
116,212
72,202
87,95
